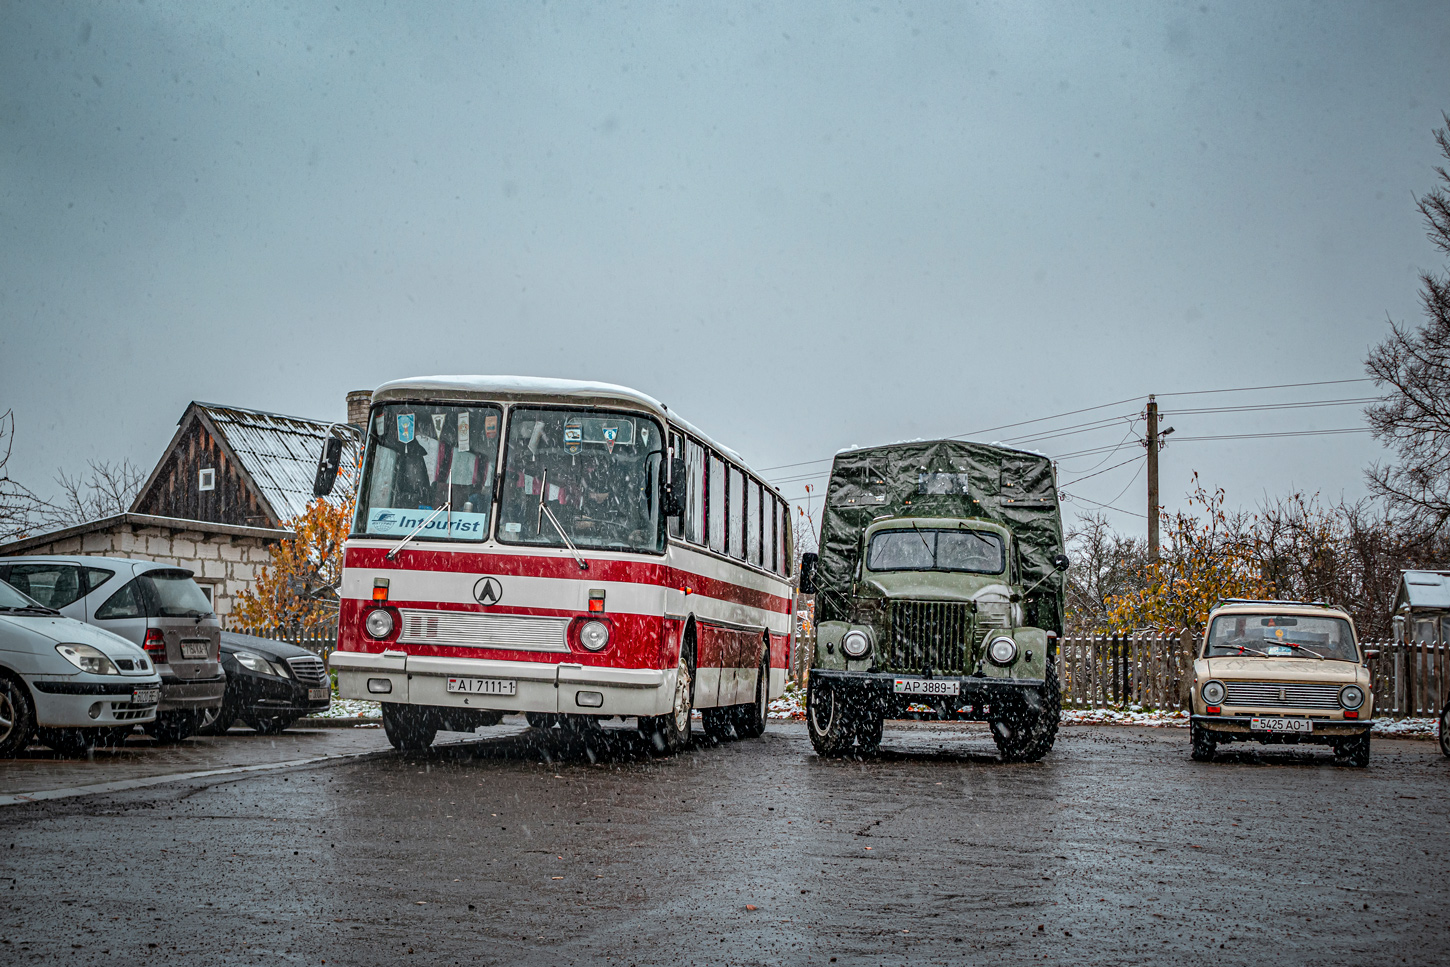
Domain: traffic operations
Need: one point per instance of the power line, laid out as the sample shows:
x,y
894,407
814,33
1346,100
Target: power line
x,y
1269,436
1100,472
1074,498
1271,406
1249,389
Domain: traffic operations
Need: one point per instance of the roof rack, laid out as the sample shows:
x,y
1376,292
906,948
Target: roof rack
x,y
1315,604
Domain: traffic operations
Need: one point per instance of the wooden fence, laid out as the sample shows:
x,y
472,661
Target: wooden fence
x,y
1152,669
1411,679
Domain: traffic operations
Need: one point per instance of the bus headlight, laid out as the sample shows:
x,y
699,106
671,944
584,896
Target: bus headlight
x,y
379,623
1002,651
1351,696
856,644
1212,693
594,635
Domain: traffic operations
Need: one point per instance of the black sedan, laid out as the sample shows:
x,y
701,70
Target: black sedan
x,y
270,685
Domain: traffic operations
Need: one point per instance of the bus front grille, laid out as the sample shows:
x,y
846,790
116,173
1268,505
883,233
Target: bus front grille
x,y
929,634
505,632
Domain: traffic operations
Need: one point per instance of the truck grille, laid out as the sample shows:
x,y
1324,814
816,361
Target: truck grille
x,y
465,630
1281,695
929,634
309,670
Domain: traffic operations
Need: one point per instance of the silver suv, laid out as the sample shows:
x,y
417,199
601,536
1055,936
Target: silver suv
x,y
156,606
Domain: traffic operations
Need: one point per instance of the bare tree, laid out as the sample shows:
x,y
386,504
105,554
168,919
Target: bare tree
x,y
1105,565
1413,365
20,508
109,489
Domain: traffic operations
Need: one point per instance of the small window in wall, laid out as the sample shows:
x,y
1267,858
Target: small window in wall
x,y
735,497
206,479
715,504
207,590
752,522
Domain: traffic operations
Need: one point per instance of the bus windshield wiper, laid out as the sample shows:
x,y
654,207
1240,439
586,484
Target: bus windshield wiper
x,y
545,511
447,505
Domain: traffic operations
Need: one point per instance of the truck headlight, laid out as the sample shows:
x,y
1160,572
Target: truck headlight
x,y
594,635
856,644
379,623
1212,693
1002,651
87,659
1351,696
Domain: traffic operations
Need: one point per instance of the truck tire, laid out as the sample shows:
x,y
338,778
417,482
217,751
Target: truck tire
x,y
869,726
828,720
17,717
409,727
1022,736
750,719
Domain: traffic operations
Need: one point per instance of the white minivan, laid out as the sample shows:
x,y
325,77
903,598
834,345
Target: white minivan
x,y
65,682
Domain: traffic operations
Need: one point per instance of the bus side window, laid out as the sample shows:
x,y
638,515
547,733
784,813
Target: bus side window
x,y
752,522
735,501
694,492
780,546
677,449
715,502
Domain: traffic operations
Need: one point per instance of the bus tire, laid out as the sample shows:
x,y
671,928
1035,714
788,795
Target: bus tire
x,y
541,720
750,719
670,733
409,727
717,723
828,720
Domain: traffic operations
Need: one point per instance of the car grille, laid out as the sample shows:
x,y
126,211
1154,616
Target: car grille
x,y
126,712
464,630
1281,695
929,634
309,670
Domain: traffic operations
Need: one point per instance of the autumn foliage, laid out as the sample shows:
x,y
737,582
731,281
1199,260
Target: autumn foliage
x,y
297,595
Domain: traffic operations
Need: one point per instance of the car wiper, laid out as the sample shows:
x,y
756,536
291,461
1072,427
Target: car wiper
x,y
1298,648
28,609
1243,650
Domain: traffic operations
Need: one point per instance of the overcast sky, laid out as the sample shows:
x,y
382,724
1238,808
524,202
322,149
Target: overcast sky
x,y
803,226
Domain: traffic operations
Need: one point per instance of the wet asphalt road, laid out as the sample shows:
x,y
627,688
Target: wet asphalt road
x,y
1117,849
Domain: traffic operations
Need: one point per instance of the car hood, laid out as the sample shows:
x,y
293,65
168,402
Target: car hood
x,y
233,642
1248,668
58,628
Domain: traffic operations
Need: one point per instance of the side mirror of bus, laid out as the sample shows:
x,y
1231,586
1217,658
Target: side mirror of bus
x,y
327,466
675,489
808,573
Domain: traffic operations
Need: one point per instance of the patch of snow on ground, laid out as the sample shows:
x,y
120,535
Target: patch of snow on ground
x,y
352,708
1406,727
791,705
1132,715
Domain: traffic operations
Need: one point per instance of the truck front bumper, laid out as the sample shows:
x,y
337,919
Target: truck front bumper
x,y
977,698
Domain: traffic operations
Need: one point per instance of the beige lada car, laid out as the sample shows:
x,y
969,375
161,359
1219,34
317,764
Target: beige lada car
x,y
1282,672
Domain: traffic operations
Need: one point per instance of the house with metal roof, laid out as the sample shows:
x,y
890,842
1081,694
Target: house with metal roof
x,y
1422,606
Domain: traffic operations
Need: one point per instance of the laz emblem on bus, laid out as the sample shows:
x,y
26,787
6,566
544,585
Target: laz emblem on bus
x,y
488,591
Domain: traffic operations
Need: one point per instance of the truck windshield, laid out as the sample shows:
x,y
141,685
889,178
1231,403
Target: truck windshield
x,y
936,550
421,456
598,471
1281,636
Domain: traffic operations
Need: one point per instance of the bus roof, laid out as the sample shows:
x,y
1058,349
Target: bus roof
x,y
540,389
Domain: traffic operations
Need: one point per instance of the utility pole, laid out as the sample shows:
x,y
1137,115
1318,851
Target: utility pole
x,y
1151,442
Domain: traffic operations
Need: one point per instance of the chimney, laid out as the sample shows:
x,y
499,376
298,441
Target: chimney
x,y
358,402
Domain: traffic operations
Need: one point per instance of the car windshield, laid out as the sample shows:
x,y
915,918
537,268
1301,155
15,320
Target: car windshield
x,y
421,456
11,598
1281,636
593,474
936,550
175,595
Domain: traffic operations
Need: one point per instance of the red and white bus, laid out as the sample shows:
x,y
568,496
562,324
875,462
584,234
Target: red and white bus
x,y
569,550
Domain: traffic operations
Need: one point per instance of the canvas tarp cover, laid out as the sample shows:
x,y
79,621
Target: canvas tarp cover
x,y
940,478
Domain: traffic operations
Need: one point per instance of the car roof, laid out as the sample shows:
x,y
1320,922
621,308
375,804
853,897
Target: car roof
x,y
88,559
1304,608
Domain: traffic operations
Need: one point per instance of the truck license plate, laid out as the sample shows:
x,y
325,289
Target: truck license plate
x,y
322,694
1257,724
927,686
145,696
483,686
195,649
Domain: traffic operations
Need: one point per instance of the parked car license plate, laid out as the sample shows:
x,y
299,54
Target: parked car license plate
x,y
145,696
483,686
195,649
927,686
322,694
1257,724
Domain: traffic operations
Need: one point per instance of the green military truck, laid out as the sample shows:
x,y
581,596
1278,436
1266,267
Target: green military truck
x,y
939,583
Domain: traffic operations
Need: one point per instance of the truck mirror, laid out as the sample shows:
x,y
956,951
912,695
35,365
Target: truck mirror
x,y
1370,654
1061,562
808,573
327,466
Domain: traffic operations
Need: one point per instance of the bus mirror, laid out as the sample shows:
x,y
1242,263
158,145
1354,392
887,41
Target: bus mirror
x,y
808,573
327,466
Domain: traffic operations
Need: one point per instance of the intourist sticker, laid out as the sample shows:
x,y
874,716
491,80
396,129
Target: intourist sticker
x,y
395,521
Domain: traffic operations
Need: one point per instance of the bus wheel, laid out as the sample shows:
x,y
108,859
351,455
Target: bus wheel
x,y
717,722
541,720
409,728
750,719
827,720
671,732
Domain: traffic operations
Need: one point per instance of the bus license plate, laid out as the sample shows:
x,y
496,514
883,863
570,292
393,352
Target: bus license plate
x,y
927,686
145,696
322,694
483,686
1257,724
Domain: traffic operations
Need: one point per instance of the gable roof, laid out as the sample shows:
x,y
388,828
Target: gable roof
x,y
276,454
1424,590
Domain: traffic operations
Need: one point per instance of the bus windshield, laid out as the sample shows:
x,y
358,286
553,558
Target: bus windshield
x,y
421,456
597,472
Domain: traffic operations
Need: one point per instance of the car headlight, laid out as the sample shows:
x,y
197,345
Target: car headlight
x,y
254,663
379,623
594,635
856,644
1351,696
1212,693
87,659
1002,651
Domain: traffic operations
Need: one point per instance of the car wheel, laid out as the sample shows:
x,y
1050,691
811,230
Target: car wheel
x,y
1204,744
750,719
828,720
172,726
670,733
409,727
1445,730
216,720
17,717
72,742
1353,752
269,724
541,720
1025,735
718,723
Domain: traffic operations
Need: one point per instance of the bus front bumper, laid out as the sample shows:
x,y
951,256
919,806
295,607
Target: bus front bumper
x,y
536,686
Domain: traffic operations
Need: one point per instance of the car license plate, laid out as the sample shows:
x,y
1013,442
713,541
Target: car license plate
x,y
483,686
322,694
927,686
195,649
1257,724
145,696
